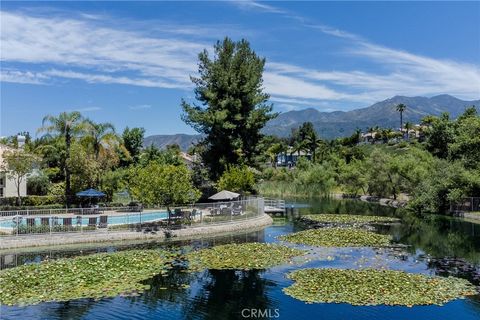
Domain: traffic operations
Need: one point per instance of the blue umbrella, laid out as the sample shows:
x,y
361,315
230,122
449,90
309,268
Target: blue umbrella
x,y
90,193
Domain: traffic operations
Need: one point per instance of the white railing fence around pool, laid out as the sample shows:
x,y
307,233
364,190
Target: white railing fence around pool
x,y
136,219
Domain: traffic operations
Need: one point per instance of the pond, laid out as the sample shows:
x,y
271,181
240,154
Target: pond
x,y
435,245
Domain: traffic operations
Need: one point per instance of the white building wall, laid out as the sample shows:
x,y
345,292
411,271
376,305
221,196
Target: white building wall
x,y
8,185
10,188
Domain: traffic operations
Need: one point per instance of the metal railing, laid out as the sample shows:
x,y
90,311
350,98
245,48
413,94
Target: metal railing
x,y
137,219
275,203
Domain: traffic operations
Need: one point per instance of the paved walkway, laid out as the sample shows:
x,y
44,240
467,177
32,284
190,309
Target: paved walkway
x,y
12,242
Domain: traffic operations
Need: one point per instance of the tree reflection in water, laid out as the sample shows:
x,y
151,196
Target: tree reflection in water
x,y
223,294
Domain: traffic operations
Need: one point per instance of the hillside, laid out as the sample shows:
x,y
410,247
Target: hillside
x,y
339,123
161,141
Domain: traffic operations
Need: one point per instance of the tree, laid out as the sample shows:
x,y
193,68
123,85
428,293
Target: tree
x,y
160,184
466,141
401,108
313,142
233,106
440,134
66,125
273,151
100,135
352,177
169,156
85,170
18,165
237,179
133,142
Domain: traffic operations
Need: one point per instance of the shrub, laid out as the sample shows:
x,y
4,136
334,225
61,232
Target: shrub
x,y
237,179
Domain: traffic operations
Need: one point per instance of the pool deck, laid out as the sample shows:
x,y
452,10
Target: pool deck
x,y
41,240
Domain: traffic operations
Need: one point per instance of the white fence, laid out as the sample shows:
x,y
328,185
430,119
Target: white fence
x,y
137,219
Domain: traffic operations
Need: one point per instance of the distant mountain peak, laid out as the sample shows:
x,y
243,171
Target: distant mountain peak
x,y
383,113
335,124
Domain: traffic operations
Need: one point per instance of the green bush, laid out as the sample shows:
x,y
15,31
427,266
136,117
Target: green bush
x,y
237,179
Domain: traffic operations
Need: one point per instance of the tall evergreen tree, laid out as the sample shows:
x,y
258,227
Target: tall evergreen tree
x,y
233,107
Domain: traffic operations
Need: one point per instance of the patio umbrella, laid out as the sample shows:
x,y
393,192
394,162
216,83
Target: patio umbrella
x,y
90,193
224,195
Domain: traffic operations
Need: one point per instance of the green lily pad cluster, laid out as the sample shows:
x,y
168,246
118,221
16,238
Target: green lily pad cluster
x,y
338,237
94,276
243,256
375,287
347,219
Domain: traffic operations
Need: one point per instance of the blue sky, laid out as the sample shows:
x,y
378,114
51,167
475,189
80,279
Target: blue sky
x,y
129,63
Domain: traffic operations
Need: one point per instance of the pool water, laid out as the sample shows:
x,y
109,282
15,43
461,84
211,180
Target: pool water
x,y
438,245
112,220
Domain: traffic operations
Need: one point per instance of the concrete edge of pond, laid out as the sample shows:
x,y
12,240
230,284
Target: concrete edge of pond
x,y
63,239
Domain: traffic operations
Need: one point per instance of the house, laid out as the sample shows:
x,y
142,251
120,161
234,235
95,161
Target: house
x,y
290,158
189,160
7,186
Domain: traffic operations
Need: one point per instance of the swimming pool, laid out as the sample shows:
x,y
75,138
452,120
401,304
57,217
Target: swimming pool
x,y
7,222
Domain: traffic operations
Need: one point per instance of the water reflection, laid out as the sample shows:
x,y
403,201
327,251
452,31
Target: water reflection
x,y
438,245
223,294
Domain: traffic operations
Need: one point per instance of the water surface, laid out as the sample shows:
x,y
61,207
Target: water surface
x,y
435,245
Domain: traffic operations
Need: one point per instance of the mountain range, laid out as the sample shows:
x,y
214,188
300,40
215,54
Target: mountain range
x,y
330,125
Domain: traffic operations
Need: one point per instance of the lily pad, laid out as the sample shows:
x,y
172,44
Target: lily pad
x,y
347,219
338,237
375,287
94,276
243,256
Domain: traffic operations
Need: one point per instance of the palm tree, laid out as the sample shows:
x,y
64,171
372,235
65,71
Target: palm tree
x,y
401,108
298,147
100,134
312,142
66,125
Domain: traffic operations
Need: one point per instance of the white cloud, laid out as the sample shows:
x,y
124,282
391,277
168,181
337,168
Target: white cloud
x,y
140,107
86,109
407,73
26,77
77,43
139,54
247,4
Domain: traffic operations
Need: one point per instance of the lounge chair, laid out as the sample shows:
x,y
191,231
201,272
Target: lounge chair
x,y
226,211
92,222
31,222
67,222
103,222
45,221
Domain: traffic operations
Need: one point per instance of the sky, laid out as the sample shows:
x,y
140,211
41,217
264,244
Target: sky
x,y
129,63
